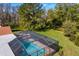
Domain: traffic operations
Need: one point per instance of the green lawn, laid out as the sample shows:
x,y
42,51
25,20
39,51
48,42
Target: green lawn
x,y
68,47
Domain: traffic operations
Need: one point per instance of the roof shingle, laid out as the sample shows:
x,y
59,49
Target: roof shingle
x,y
5,30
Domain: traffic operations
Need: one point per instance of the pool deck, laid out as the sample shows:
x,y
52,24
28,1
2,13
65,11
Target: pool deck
x,y
5,49
6,38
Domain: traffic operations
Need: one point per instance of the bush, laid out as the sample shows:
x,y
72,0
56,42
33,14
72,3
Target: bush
x,y
72,37
61,52
56,23
77,40
69,28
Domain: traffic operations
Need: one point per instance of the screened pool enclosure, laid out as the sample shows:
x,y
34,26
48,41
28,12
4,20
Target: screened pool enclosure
x,y
29,43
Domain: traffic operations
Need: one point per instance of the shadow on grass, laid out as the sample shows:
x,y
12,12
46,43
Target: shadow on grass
x,y
14,30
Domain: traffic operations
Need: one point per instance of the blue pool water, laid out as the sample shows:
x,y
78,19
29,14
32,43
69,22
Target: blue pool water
x,y
32,49
35,50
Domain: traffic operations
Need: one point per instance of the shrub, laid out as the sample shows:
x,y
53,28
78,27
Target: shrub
x,y
77,40
69,28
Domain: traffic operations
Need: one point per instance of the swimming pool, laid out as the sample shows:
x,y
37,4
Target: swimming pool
x,y
26,48
32,49
35,50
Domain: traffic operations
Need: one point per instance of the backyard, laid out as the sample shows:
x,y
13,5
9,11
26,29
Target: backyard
x,y
59,22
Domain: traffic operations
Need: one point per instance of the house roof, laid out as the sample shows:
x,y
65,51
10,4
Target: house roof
x,y
5,30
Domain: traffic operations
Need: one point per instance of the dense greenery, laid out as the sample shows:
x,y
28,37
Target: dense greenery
x,y
8,15
32,16
70,29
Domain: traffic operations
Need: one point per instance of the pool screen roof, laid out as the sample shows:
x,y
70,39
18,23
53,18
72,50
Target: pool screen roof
x,y
26,37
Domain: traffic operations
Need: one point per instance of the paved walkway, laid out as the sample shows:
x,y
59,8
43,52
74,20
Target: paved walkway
x,y
5,50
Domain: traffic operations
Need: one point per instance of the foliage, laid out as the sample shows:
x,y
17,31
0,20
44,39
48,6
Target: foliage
x,y
32,14
8,15
56,23
70,29
53,19
77,40
68,14
61,52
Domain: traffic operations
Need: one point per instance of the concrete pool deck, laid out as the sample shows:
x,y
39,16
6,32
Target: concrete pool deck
x,y
5,49
6,38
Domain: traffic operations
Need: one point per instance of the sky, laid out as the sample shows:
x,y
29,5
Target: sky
x,y
45,5
49,5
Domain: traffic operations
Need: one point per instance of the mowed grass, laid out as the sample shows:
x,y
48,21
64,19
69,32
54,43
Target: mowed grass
x,y
69,48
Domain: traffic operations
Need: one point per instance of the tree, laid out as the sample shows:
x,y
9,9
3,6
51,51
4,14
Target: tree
x,y
70,30
53,19
1,14
8,15
32,14
14,16
69,15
